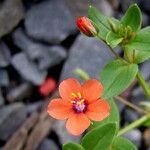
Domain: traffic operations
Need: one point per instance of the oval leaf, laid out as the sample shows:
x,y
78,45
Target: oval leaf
x,y
141,41
113,117
116,77
120,143
132,17
100,21
72,146
99,138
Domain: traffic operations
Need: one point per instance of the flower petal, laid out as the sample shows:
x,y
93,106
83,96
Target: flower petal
x,y
60,109
98,110
69,86
77,124
92,90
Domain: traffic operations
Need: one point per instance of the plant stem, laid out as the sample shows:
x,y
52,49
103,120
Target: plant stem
x,y
133,125
143,84
126,102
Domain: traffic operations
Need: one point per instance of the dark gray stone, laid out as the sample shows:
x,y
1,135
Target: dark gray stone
x,y
126,3
80,8
146,5
11,13
135,136
46,55
49,21
64,137
28,69
4,55
48,144
148,148
12,116
145,70
145,19
130,115
20,92
1,98
88,54
32,107
4,79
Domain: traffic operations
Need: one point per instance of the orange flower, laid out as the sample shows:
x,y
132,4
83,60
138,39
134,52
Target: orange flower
x,y
85,25
79,104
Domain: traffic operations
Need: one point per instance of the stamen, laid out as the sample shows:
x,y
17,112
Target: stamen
x,y
79,94
72,102
74,95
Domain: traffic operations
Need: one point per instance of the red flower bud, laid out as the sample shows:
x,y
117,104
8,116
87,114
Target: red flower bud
x,y
47,87
85,25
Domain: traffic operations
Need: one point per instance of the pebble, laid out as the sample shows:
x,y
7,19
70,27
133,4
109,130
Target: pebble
x,y
88,54
12,116
20,92
1,98
49,21
130,115
80,8
4,55
4,79
46,56
28,69
11,13
135,136
60,129
48,144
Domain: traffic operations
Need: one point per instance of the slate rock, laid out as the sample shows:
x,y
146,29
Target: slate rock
x,y
4,55
12,116
145,70
64,137
11,13
80,8
126,3
20,92
130,115
146,5
45,55
1,98
28,69
49,21
148,148
135,136
88,54
4,79
48,144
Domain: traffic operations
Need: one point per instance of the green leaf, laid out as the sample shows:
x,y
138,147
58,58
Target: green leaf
x,y
138,57
113,39
120,143
116,77
100,21
99,138
141,41
72,146
132,17
113,117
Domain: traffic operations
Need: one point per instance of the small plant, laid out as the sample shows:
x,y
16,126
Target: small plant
x,y
92,103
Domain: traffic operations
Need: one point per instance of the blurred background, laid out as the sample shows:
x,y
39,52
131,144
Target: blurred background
x,y
39,47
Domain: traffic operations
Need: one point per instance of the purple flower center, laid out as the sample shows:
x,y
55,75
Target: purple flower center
x,y
79,105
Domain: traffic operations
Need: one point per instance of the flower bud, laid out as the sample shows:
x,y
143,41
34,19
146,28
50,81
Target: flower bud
x,y
85,25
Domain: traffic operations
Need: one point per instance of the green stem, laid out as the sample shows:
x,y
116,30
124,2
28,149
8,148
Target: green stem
x,y
143,84
133,125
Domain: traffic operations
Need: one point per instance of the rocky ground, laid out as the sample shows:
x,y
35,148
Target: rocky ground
x,y
39,41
